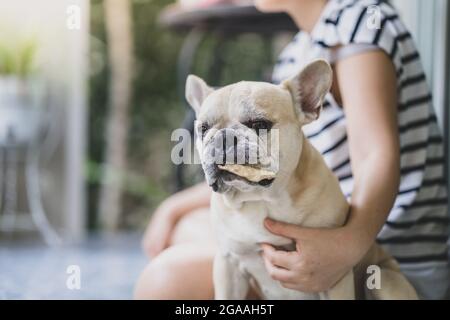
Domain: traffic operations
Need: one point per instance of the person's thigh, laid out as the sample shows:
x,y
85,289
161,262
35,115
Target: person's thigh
x,y
183,271
194,227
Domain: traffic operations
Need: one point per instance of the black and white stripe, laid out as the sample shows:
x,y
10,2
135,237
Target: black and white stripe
x,y
416,230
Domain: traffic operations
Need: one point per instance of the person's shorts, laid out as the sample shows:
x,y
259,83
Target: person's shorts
x,y
430,280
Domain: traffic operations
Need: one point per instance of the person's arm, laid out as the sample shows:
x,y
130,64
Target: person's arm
x,y
368,89
369,93
159,230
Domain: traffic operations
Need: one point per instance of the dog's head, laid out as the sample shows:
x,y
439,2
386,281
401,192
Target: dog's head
x,y
256,124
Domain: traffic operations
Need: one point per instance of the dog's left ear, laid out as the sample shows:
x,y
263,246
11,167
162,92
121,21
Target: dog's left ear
x,y
309,88
196,92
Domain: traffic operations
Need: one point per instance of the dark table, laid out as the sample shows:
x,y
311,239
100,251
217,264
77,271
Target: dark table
x,y
228,18
224,22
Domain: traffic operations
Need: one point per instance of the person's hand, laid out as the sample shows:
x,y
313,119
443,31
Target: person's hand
x,y
159,230
322,256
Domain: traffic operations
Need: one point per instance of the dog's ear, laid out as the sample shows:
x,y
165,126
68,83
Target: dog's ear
x,y
309,88
196,92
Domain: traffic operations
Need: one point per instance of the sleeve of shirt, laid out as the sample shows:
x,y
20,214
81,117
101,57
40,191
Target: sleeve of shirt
x,y
371,23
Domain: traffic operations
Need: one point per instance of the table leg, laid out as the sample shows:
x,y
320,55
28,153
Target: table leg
x,y
185,62
10,188
217,63
35,199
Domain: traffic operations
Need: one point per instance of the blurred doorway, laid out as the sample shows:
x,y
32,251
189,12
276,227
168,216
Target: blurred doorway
x,y
60,30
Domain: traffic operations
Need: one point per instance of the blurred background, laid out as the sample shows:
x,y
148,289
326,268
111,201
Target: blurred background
x,y
90,92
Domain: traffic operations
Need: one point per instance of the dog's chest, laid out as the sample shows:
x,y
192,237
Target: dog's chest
x,y
241,231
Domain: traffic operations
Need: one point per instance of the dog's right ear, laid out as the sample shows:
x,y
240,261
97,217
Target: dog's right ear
x,y
196,92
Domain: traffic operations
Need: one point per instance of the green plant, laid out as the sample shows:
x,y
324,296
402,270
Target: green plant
x,y
18,60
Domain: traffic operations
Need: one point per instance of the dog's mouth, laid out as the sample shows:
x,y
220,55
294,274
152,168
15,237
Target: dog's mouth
x,y
227,177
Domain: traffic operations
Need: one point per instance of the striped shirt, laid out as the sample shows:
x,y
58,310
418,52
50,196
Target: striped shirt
x,y
416,232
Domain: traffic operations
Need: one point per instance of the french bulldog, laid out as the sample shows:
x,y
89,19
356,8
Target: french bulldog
x,y
302,191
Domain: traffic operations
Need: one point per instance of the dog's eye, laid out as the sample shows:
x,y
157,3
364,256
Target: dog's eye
x,y
260,125
204,128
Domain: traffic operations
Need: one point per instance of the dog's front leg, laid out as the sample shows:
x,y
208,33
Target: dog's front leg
x,y
230,283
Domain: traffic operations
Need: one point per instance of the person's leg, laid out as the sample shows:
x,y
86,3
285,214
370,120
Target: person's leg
x,y
184,270
194,228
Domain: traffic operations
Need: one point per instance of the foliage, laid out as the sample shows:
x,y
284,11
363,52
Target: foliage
x,y
18,60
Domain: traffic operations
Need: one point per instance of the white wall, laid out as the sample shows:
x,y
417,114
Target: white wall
x,y
63,58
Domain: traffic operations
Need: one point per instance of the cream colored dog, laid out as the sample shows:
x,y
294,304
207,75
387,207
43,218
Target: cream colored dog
x,y
302,190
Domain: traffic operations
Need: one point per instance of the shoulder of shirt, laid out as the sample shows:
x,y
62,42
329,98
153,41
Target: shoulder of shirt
x,y
356,6
350,12
346,22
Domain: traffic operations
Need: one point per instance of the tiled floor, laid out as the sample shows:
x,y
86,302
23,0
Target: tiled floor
x,y
109,267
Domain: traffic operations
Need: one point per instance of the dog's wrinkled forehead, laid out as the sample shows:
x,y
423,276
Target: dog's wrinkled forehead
x,y
246,100
301,95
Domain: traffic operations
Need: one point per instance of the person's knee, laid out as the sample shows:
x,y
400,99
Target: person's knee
x,y
154,280
180,272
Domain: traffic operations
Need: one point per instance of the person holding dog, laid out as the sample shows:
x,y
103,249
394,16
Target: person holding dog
x,y
377,132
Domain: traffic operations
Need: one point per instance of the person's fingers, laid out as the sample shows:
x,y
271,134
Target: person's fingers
x,y
280,258
300,287
276,273
291,230
162,239
305,287
149,245
291,286
157,237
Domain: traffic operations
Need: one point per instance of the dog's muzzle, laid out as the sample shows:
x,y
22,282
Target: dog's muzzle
x,y
229,146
